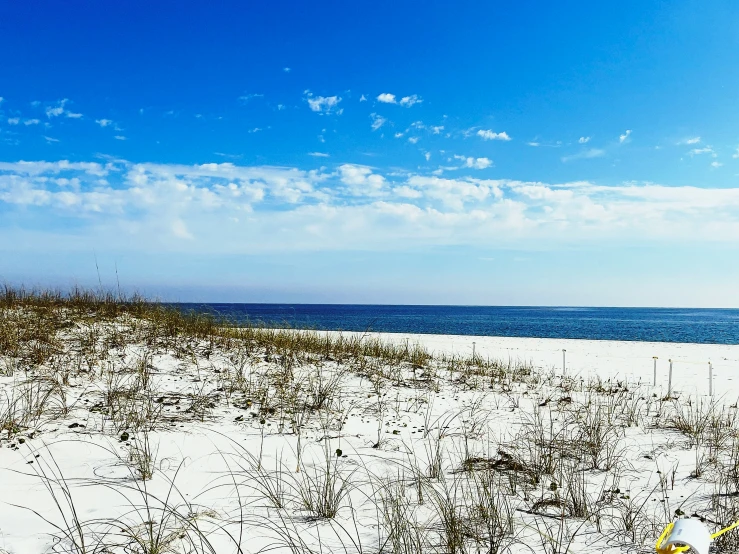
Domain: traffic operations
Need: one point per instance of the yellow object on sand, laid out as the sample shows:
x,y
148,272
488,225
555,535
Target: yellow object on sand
x,y
691,534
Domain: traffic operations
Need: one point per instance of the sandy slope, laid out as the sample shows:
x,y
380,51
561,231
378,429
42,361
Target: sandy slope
x,y
401,417
607,359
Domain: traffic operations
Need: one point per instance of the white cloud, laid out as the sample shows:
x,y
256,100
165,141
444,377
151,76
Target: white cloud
x,y
323,104
14,120
478,163
704,150
119,137
716,164
534,143
398,135
693,140
437,129
56,110
59,109
427,155
104,122
2,99
475,163
408,101
622,138
286,69
32,169
152,207
318,154
31,122
51,139
583,140
736,154
487,134
413,140
179,229
361,180
363,98
247,97
585,154
377,121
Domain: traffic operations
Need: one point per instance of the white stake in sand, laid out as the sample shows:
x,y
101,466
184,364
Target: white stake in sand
x,y
710,379
473,351
654,384
564,365
669,381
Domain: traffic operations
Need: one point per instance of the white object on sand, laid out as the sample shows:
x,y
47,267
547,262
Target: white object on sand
x,y
689,532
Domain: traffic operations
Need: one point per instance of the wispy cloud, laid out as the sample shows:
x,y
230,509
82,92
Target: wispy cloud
x,y
411,100
624,137
51,139
14,120
59,108
31,122
104,122
377,121
736,154
705,150
318,154
585,154
323,104
56,110
474,163
286,69
692,140
120,137
244,98
487,134
413,140
583,140
405,101
716,164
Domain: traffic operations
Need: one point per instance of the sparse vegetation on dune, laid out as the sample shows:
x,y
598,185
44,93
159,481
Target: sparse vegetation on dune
x,y
158,431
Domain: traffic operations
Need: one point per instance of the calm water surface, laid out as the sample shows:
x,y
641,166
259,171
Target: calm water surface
x,y
640,324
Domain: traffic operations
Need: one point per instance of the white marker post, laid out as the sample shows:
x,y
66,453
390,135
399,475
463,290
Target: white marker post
x,y
655,371
473,351
669,382
564,363
710,379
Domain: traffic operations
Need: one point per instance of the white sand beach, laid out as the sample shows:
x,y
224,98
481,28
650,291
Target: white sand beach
x,y
197,445
606,359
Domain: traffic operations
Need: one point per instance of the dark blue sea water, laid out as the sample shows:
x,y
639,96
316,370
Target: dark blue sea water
x,y
639,324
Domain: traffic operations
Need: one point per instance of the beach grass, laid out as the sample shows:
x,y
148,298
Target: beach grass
x,y
215,436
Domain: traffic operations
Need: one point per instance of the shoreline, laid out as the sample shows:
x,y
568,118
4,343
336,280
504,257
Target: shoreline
x,y
607,359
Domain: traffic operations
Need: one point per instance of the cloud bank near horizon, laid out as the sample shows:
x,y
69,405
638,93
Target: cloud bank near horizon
x,y
230,209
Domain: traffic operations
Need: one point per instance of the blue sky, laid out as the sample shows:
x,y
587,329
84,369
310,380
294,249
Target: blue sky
x,y
584,153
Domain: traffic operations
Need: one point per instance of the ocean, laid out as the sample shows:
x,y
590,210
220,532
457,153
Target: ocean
x,y
708,326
